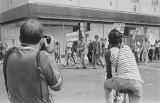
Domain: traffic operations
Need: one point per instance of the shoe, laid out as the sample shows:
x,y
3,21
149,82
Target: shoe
x,y
102,66
77,68
84,67
95,68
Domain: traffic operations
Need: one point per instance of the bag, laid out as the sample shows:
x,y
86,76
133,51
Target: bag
x,y
8,53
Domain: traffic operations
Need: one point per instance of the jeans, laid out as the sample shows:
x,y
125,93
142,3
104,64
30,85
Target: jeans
x,y
123,84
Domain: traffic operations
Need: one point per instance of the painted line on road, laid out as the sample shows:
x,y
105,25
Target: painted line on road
x,y
150,68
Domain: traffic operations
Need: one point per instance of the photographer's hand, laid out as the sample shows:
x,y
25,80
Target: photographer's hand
x,y
50,47
45,42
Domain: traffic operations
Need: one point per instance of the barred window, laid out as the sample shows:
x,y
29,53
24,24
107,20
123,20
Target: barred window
x,y
155,2
135,1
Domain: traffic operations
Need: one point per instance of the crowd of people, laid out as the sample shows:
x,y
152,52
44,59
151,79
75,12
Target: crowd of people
x,y
77,52
145,51
31,69
3,48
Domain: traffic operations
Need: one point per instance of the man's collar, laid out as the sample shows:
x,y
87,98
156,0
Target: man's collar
x,y
28,48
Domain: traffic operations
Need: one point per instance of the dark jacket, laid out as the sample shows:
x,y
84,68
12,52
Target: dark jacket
x,y
97,48
90,47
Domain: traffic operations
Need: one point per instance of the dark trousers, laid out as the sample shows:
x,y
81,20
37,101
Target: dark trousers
x,y
150,54
141,55
72,56
136,56
89,55
157,53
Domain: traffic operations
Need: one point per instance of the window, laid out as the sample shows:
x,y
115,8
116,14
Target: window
x,y
110,3
155,2
154,9
135,1
134,9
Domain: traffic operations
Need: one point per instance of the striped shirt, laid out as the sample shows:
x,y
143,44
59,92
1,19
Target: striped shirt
x,y
126,67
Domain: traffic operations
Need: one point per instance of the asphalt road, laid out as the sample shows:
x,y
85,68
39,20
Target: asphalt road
x,y
86,85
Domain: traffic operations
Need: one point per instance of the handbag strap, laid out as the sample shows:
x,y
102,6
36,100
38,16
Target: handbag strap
x,y
117,62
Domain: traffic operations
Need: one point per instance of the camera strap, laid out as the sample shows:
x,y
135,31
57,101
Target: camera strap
x,y
42,76
116,68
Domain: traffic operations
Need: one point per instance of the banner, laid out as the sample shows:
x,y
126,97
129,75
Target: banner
x,y
71,37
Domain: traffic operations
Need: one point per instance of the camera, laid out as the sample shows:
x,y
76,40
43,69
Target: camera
x,y
48,39
48,44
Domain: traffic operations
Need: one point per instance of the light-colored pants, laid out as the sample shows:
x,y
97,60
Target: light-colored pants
x,y
123,84
146,57
81,61
97,58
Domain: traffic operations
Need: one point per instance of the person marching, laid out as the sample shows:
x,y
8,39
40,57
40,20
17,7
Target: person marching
x,y
157,50
97,52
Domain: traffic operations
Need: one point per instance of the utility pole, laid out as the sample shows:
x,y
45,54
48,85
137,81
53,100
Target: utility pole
x,y
0,33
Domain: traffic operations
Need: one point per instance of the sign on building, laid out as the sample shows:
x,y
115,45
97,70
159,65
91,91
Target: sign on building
x,y
71,37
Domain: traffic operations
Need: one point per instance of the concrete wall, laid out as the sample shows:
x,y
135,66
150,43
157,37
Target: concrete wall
x,y
143,6
128,6
0,6
10,4
59,2
10,32
148,8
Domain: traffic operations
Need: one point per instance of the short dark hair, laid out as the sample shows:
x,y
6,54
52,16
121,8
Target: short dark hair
x,y
96,36
57,43
31,32
115,37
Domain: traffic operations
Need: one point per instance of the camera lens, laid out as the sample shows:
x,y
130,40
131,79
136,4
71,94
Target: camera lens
x,y
48,39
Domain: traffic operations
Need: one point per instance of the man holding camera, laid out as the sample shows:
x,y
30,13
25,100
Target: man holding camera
x,y
28,72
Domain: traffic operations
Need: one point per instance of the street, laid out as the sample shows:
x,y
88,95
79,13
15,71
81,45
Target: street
x,y
86,85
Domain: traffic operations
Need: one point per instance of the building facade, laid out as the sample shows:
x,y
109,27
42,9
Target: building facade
x,y
140,17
